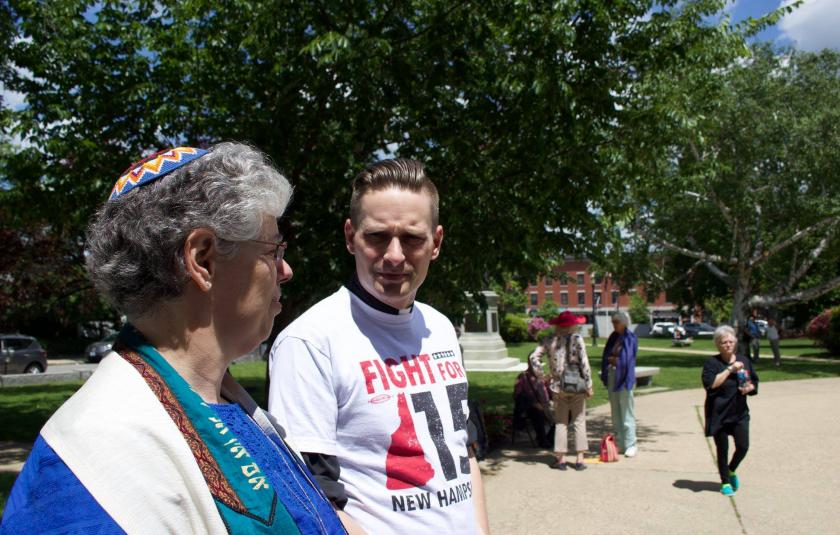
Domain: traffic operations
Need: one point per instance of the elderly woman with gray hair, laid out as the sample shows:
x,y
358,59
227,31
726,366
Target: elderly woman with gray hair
x,y
161,439
728,379
618,373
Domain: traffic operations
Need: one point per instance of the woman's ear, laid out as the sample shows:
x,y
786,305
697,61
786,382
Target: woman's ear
x,y
200,254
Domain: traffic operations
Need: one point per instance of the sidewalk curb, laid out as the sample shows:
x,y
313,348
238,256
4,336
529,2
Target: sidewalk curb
x,y
25,379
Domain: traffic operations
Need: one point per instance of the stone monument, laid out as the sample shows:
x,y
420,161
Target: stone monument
x,y
482,345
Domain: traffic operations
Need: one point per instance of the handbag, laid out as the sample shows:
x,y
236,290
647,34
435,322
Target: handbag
x,y
609,451
573,382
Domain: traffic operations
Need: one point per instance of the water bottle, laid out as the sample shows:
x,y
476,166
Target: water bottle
x,y
743,377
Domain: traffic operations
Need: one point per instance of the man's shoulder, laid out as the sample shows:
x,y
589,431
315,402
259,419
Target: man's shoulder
x,y
321,318
428,311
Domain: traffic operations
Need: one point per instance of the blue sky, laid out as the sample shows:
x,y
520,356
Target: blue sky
x,y
813,26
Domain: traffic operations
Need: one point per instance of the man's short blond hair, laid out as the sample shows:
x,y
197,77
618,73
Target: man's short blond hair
x,y
399,173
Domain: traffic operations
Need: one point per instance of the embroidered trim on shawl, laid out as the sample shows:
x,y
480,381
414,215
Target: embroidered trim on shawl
x,y
219,486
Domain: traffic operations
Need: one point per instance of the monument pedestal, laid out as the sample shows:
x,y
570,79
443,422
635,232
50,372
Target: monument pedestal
x,y
482,346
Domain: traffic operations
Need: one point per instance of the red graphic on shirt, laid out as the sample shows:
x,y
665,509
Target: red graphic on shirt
x,y
406,465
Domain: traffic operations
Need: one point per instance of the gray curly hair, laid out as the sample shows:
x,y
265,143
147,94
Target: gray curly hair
x,y
134,242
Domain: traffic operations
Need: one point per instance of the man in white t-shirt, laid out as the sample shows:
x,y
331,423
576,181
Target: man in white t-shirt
x,y
369,383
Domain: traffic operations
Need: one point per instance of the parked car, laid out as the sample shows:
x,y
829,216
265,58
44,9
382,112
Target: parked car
x,y
699,330
663,328
95,351
21,354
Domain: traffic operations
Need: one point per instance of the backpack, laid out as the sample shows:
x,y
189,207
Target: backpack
x,y
573,381
609,451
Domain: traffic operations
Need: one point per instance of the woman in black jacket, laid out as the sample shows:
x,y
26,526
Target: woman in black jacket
x,y
728,379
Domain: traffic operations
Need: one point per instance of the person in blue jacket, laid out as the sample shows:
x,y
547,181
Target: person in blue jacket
x,y
618,373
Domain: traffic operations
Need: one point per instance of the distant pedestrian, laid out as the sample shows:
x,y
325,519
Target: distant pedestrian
x,y
755,336
773,338
570,383
618,373
728,379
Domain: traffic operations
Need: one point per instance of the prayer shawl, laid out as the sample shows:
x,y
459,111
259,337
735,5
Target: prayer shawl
x,y
156,458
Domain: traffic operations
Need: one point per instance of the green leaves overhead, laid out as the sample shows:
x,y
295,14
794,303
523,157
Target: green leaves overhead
x,y
534,118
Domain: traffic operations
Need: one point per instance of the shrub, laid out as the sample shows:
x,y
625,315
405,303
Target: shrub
x,y
514,328
818,327
538,327
832,339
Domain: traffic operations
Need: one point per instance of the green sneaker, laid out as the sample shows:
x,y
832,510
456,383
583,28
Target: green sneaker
x,y
734,481
726,490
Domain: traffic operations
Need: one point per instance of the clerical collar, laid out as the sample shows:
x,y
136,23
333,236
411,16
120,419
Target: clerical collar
x,y
367,298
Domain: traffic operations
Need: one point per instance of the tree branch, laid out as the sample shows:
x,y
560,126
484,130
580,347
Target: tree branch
x,y
809,260
796,297
692,269
699,255
761,256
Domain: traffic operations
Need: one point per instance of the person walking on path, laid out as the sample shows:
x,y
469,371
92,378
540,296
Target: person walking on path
x,y
754,337
728,379
570,383
773,338
618,373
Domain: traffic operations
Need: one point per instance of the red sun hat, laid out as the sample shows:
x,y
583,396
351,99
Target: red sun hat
x,y
567,319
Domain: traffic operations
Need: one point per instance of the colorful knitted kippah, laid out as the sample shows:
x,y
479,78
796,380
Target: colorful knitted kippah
x,y
154,167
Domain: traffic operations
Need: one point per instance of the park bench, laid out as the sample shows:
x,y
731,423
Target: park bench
x,y
644,375
682,342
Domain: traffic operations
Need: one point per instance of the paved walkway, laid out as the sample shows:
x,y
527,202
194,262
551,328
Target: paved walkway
x,y
789,478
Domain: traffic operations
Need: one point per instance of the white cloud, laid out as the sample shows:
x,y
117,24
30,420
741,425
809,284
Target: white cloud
x,y
12,99
813,26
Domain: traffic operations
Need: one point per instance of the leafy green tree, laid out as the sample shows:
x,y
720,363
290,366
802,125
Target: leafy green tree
x,y
752,181
638,310
719,308
547,310
520,110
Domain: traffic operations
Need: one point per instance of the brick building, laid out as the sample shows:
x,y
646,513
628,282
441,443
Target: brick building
x,y
573,287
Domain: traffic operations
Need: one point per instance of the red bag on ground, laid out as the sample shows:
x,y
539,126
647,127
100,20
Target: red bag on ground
x,y
609,451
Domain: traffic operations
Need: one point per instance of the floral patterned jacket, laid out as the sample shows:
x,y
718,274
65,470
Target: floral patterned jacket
x,y
555,348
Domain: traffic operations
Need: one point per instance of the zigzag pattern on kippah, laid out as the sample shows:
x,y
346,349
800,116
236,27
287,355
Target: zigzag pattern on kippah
x,y
154,167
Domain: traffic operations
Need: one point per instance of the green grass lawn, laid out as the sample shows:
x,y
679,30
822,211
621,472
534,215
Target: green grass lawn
x,y
25,409
797,347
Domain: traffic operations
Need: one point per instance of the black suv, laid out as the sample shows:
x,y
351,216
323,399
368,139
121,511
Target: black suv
x,y
21,354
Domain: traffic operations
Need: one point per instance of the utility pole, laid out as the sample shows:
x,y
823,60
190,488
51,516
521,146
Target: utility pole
x,y
596,300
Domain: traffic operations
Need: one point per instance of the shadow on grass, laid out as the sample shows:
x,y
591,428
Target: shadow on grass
x,y
697,486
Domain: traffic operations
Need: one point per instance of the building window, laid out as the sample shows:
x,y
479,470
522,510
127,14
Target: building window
x,y
549,281
598,298
599,279
580,279
533,299
564,278
564,298
581,298
549,297
614,296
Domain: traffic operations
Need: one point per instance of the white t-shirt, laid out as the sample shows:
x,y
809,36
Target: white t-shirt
x,y
387,395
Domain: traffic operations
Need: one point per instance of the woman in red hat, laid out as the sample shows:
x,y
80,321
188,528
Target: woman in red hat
x,y
570,382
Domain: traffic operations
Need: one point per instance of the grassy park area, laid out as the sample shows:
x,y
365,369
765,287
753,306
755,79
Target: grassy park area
x,y
25,409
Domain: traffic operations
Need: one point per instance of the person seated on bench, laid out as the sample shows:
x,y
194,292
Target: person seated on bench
x,y
680,337
531,400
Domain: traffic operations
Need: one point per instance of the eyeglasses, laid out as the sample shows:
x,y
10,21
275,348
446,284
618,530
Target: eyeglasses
x,y
279,248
